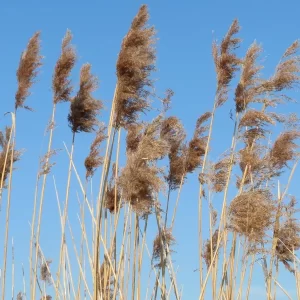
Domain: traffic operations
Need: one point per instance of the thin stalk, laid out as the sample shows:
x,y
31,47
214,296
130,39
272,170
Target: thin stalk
x,y
250,277
13,131
42,200
135,250
65,214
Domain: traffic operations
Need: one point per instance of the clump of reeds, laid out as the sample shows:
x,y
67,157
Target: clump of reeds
x,y
134,65
61,83
252,213
84,108
28,70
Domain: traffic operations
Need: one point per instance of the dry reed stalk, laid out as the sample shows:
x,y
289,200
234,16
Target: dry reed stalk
x,y
82,118
226,64
62,89
11,161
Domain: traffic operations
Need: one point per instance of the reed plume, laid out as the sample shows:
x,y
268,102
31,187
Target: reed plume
x,y
210,248
94,160
251,214
84,108
288,235
135,64
160,243
226,61
28,69
247,89
6,154
140,178
61,83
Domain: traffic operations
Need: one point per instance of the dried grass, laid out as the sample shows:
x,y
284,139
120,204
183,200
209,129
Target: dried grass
x,y
226,61
251,214
135,63
165,238
246,90
94,160
210,248
28,70
84,108
61,83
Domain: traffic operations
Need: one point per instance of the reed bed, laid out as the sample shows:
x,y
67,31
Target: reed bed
x,y
143,165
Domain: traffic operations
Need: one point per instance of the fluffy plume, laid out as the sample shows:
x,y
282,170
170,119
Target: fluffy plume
x,y
134,136
197,145
251,214
45,274
210,248
113,194
140,179
6,146
47,297
255,118
226,61
159,244
173,132
28,69
288,236
94,160
247,88
61,83
286,74
135,63
220,174
84,108
283,149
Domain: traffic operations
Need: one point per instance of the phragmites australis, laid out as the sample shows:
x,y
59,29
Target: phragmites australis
x,y
135,63
28,69
226,61
84,108
283,149
287,71
162,242
94,159
47,297
113,195
45,274
140,179
255,118
173,132
251,214
6,154
247,88
61,83
288,235
210,248
197,145
134,136
220,173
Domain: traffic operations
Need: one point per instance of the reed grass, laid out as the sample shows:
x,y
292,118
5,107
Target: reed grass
x,y
143,172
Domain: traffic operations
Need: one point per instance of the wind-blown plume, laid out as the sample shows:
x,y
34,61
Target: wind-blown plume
x,y
226,61
247,88
28,70
84,108
94,160
61,83
135,63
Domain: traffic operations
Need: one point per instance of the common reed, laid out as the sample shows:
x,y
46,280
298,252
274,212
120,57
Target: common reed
x,y
248,223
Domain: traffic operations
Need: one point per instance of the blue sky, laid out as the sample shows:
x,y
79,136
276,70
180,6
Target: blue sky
x,y
185,30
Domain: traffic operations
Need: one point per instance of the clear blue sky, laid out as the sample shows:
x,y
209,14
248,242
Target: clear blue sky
x,y
185,30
